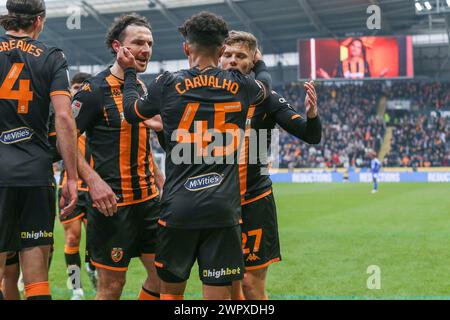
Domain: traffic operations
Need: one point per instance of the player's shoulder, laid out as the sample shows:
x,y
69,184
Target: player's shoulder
x,y
275,102
237,75
48,50
92,88
166,77
101,81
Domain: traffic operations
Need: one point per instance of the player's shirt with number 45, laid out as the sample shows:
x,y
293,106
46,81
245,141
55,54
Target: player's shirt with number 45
x,y
198,107
30,73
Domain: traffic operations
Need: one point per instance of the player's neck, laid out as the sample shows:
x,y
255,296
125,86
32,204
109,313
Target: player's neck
x,y
117,71
203,62
22,34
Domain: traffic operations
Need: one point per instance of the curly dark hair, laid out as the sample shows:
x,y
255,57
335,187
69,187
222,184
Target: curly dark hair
x,y
18,22
117,29
205,29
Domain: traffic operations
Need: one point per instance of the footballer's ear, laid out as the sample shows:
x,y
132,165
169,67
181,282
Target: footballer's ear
x,y
221,51
186,48
116,45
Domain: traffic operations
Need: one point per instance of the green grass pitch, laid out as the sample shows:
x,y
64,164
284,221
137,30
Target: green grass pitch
x,y
330,234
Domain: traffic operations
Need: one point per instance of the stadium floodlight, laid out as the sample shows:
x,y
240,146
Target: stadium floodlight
x,y
448,3
428,5
419,6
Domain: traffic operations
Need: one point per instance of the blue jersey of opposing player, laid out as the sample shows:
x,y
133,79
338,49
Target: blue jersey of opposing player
x,y
375,166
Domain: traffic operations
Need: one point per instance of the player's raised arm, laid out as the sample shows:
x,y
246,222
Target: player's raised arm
x,y
136,109
309,130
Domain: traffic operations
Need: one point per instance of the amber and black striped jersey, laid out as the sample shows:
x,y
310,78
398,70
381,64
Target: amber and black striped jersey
x,y
254,175
30,73
192,104
121,152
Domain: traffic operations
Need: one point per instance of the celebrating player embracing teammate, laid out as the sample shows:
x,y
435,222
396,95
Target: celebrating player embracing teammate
x,y
123,182
261,243
201,209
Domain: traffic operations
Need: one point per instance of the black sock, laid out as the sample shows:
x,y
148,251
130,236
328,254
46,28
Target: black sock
x,y
73,259
40,298
1,295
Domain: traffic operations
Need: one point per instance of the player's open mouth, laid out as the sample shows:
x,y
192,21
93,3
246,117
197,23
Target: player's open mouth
x,y
142,62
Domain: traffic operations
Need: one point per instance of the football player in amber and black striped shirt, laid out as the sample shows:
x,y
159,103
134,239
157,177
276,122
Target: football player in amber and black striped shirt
x,y
31,76
124,182
260,228
201,207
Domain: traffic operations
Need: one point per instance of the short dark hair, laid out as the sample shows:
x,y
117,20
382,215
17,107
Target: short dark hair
x,y
117,29
205,29
22,14
80,77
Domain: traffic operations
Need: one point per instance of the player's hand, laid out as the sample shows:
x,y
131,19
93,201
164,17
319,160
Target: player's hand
x,y
258,56
160,180
311,100
102,196
125,58
155,123
69,197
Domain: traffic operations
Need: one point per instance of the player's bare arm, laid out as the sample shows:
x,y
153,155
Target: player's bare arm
x,y
67,144
160,179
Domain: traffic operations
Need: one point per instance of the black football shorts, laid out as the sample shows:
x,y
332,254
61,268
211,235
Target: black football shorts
x,y
27,217
113,241
217,250
260,240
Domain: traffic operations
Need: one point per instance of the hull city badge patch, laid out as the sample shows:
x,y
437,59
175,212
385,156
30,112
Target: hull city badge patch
x,y
116,254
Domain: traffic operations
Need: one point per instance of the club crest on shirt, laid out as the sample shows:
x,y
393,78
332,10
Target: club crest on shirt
x,y
116,92
116,254
76,107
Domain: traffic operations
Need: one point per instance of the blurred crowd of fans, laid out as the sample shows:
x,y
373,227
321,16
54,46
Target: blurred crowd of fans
x,y
420,140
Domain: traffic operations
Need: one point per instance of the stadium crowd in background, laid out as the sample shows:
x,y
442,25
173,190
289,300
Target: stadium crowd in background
x,y
423,95
420,141
351,128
